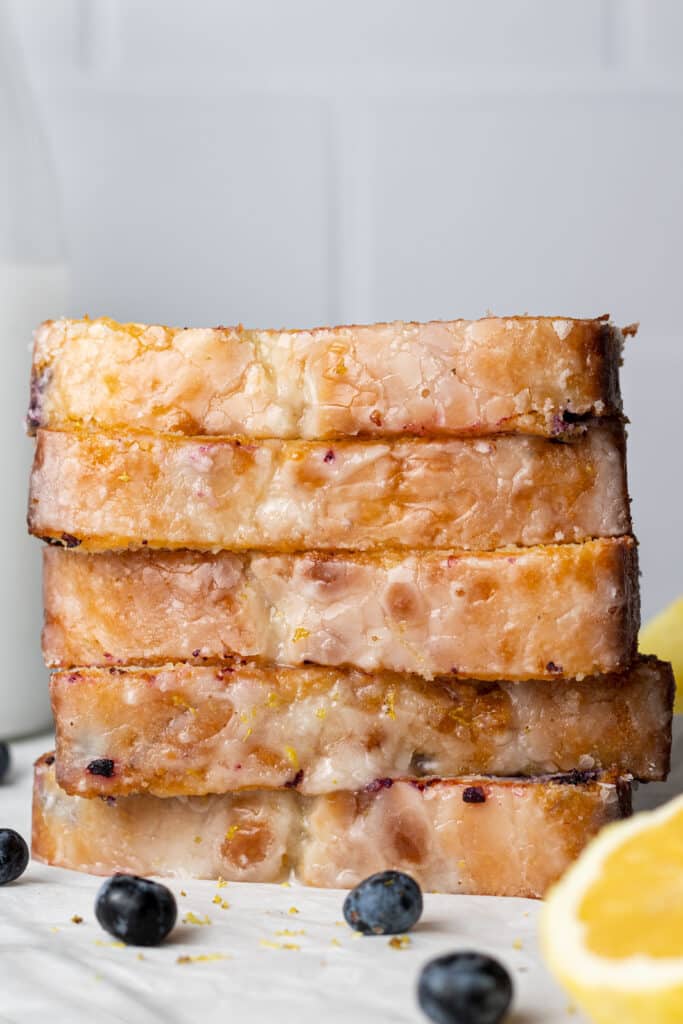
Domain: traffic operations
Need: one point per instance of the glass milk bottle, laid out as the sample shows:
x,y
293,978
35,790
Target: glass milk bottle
x,y
32,288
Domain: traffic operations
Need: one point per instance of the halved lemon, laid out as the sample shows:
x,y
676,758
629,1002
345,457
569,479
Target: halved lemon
x,y
663,636
612,927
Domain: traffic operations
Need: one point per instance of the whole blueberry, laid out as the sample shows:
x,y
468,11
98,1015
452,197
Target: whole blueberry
x,y
5,760
13,855
464,988
384,904
135,910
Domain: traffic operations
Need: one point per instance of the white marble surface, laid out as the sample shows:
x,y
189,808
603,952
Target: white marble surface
x,y
52,970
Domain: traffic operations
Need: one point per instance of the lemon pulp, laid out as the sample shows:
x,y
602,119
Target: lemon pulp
x,y
635,907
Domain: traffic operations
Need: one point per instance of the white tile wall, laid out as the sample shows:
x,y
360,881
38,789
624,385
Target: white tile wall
x,y
530,205
432,34
297,161
212,209
654,31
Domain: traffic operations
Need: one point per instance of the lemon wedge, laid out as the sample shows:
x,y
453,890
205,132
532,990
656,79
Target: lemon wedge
x,y
612,927
663,636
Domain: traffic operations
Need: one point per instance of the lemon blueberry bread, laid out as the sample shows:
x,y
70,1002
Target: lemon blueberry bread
x,y
545,612
197,729
315,597
474,493
508,837
536,375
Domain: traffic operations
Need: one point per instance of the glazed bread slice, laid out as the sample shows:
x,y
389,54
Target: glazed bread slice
x,y
528,613
475,493
472,835
191,730
530,374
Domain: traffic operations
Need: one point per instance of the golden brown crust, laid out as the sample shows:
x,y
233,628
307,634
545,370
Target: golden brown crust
x,y
528,374
473,494
453,835
192,730
547,612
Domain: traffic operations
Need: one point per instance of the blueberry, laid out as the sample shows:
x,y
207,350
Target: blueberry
x,y
384,904
101,766
13,855
464,988
5,760
135,910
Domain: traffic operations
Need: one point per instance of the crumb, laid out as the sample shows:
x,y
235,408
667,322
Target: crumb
x,y
141,956
517,944
202,958
220,902
110,945
183,893
221,883
291,933
77,919
191,918
267,944
232,832
286,885
292,910
54,929
197,839
335,942
399,942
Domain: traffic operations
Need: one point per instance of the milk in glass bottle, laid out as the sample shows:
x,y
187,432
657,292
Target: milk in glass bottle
x,y
32,288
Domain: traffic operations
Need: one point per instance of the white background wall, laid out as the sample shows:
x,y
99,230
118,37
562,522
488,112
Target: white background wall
x,y
292,162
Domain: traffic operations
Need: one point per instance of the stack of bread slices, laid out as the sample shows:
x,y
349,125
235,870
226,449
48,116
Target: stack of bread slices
x,y
334,601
